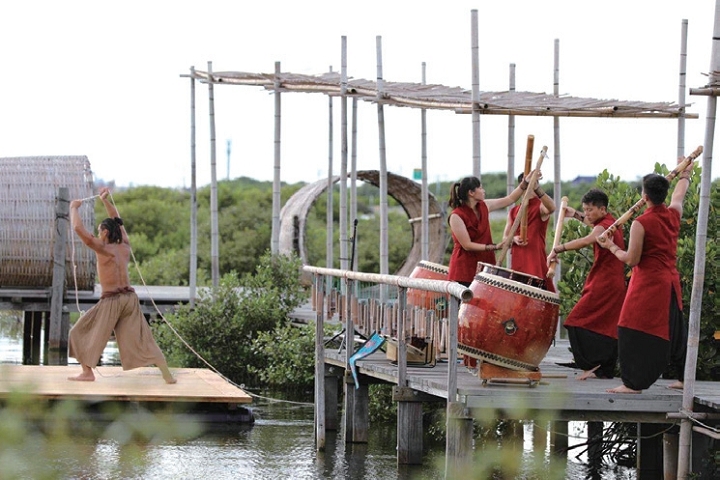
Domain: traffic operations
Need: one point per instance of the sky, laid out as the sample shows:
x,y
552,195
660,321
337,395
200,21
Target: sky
x,y
105,80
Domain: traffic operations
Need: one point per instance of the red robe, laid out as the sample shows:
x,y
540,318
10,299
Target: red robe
x,y
463,264
602,297
647,303
531,258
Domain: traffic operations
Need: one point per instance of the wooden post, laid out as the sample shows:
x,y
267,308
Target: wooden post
x,y
670,454
58,333
331,398
319,290
409,428
32,328
384,255
357,401
595,436
650,451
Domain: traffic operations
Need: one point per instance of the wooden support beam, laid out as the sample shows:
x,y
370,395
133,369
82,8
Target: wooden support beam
x,y
650,451
458,443
58,333
357,415
409,433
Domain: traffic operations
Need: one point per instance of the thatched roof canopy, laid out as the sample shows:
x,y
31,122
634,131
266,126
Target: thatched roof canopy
x,y
451,98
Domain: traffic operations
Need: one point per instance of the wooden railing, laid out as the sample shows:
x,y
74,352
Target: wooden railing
x,y
391,317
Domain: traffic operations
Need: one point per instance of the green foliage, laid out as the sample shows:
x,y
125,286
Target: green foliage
x,y
225,321
286,357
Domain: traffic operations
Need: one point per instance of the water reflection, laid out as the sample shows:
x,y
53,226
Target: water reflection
x,y
281,444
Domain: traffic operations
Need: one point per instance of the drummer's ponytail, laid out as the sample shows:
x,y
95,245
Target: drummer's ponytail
x,y
459,190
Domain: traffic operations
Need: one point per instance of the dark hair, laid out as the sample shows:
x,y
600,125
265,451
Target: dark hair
x,y
459,190
595,197
112,225
655,187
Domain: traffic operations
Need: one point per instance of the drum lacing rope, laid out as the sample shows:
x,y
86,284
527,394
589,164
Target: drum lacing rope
x,y
157,309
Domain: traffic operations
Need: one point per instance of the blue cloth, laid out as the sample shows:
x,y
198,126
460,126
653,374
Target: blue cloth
x,y
370,346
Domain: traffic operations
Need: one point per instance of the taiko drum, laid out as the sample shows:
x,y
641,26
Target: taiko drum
x,y
422,298
510,322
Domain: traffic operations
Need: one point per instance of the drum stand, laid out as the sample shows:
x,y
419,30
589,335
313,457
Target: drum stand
x,y
489,372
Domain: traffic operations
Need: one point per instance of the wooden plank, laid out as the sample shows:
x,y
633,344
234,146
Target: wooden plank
x,y
113,384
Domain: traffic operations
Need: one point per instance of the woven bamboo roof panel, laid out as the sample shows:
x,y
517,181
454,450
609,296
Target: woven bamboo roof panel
x,y
457,99
406,192
29,188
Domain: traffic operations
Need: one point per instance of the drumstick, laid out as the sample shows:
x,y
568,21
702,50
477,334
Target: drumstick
x,y
507,241
639,204
526,172
558,234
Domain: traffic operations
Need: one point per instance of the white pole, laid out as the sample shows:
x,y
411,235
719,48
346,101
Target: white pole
x,y
275,240
474,47
214,234
383,170
684,441
343,156
193,194
557,193
682,89
510,184
425,208
329,254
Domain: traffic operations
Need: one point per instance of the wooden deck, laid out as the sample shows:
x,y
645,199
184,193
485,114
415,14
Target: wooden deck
x,y
559,394
194,385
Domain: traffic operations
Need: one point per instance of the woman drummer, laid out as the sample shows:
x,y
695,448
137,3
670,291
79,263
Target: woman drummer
x,y
470,226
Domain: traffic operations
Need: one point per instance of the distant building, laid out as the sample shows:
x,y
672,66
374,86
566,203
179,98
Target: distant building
x,y
580,180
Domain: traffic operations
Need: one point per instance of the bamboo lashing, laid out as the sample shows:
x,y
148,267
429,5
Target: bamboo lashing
x,y
639,204
507,241
528,166
558,234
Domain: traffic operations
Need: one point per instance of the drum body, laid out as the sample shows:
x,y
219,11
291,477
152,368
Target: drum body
x,y
423,298
509,322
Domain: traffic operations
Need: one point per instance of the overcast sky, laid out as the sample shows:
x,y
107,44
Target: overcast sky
x,y
103,79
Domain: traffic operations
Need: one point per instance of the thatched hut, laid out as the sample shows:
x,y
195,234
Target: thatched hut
x,y
29,189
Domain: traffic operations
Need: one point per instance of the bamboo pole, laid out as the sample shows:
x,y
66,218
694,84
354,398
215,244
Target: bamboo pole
x,y
511,151
384,263
275,234
329,253
343,155
425,208
507,241
557,190
558,234
474,47
528,166
682,88
193,194
214,234
686,426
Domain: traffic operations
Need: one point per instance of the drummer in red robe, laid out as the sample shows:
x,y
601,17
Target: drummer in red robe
x,y
470,227
592,323
651,331
528,256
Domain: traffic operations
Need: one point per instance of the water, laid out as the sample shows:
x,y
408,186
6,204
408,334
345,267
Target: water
x,y
280,445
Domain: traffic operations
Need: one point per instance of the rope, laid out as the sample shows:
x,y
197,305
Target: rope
x,y
157,309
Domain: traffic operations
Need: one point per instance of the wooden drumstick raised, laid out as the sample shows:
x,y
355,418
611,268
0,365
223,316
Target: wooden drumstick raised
x,y
639,204
526,172
507,241
558,234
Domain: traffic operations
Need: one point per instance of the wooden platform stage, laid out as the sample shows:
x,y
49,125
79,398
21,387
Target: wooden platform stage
x,y
112,384
559,394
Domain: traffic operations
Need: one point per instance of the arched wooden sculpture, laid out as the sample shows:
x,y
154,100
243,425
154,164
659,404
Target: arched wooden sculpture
x,y
406,192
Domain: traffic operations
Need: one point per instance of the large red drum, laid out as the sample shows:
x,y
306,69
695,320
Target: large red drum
x,y
423,298
510,322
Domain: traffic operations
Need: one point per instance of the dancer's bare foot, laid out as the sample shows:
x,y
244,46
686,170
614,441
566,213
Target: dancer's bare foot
x,y
588,374
676,385
85,376
622,389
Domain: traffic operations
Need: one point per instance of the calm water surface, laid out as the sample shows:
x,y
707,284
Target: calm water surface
x,y
280,445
